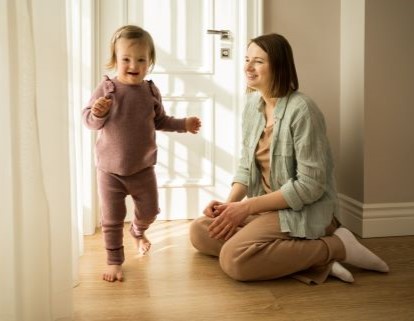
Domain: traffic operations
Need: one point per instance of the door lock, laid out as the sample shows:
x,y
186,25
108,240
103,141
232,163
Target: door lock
x,y
225,51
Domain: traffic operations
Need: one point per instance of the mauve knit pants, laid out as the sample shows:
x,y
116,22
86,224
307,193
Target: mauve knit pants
x,y
113,189
260,251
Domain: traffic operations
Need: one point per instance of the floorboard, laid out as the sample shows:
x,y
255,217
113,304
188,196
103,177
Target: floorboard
x,y
176,283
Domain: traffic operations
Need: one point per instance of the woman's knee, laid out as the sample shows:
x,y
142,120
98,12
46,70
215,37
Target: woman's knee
x,y
199,232
233,264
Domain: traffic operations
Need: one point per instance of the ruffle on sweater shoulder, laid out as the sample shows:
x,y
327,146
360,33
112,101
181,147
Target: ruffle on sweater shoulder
x,y
154,90
108,87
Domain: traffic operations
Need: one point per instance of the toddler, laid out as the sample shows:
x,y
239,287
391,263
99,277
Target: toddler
x,y
126,110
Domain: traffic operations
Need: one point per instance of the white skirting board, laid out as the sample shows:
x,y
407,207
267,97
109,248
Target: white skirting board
x,y
376,220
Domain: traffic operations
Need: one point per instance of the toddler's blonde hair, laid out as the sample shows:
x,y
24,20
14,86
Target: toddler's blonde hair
x,y
131,32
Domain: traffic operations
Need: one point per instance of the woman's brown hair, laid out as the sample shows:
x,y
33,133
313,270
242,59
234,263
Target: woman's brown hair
x,y
282,65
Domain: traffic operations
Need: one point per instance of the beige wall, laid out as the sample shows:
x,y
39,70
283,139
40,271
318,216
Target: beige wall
x,y
355,59
389,101
312,28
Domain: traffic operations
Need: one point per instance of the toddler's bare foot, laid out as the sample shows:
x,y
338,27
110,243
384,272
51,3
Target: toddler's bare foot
x,y
113,273
143,244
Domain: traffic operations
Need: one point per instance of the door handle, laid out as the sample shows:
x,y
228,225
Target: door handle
x,y
224,34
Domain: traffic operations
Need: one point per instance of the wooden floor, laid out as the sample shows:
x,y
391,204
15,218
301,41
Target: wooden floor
x,y
175,283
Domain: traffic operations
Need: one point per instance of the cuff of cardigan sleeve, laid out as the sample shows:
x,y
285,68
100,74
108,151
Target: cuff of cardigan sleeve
x,y
291,196
240,180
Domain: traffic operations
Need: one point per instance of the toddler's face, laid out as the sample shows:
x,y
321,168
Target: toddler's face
x,y
132,61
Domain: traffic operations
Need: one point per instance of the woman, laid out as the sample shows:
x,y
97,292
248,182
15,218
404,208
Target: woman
x,y
278,219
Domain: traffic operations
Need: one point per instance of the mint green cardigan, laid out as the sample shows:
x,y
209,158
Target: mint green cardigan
x,y
301,164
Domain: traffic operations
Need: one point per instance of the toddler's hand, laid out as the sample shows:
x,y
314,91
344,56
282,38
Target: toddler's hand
x,y
101,107
192,124
211,209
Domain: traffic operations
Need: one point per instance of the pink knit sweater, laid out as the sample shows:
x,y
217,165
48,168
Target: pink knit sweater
x,y
126,135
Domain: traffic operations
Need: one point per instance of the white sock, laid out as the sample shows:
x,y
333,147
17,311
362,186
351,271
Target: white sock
x,y
358,255
338,271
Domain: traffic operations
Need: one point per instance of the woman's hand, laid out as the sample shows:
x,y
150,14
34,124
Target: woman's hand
x,y
230,216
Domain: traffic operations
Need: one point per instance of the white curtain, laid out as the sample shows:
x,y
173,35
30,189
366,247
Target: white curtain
x,y
36,266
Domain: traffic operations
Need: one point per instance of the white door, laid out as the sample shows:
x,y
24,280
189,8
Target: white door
x,y
198,74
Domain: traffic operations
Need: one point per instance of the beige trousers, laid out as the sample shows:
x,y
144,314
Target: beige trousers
x,y
260,251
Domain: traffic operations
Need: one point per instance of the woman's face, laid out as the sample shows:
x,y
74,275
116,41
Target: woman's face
x,y
132,61
257,68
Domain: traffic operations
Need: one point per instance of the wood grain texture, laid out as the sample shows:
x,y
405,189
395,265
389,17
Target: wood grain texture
x,y
176,283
